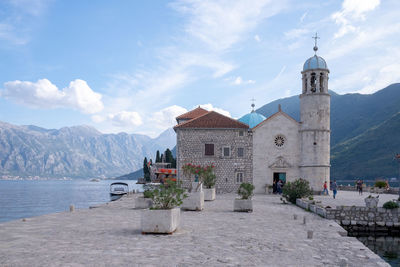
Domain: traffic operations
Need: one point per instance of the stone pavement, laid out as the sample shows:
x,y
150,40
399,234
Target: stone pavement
x,y
110,235
350,198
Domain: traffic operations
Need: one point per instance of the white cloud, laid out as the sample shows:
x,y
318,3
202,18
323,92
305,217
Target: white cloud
x,y
257,38
43,94
165,118
352,10
220,24
210,107
239,81
303,17
125,119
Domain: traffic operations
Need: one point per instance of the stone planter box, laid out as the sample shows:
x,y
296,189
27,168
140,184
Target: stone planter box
x,y
269,189
243,205
371,202
302,203
143,203
160,221
194,201
321,211
313,208
209,194
196,187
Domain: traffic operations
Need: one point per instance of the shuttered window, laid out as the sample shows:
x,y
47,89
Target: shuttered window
x,y
240,152
209,150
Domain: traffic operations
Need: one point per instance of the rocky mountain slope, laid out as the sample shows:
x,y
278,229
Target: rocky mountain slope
x,y
78,152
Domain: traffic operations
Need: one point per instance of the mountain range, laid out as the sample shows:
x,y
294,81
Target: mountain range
x,y
75,152
365,136
365,132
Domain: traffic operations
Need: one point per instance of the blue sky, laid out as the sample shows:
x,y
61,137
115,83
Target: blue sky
x,y
133,66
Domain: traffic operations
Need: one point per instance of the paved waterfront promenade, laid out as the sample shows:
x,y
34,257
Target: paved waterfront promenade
x,y
350,198
110,235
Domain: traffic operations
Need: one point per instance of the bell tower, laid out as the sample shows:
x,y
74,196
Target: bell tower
x,y
315,122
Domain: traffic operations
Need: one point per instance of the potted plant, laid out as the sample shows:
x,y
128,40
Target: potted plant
x,y
209,183
244,203
164,216
195,200
145,201
371,202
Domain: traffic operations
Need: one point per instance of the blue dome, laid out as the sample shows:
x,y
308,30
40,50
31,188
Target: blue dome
x,y
315,62
252,119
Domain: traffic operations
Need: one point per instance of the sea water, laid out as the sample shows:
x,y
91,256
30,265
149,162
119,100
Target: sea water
x,y
27,198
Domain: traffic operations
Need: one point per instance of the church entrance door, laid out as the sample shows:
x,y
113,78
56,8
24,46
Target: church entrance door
x,y
278,176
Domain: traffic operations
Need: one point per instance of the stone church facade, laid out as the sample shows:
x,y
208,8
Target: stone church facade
x,y
263,150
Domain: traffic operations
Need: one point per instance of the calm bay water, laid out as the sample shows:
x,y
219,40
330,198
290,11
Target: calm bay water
x,y
23,199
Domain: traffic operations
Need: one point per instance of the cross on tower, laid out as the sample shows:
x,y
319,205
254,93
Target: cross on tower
x,y
315,46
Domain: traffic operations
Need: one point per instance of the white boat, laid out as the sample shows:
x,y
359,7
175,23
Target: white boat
x,y
119,188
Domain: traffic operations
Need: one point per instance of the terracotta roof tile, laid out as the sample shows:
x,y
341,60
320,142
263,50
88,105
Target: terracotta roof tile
x,y
213,119
193,114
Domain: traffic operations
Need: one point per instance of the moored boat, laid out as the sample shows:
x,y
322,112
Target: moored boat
x,y
119,188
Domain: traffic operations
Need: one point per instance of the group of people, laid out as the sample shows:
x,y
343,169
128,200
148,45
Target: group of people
x,y
333,188
277,187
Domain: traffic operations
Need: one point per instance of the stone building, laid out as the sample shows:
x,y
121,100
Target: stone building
x,y
214,139
263,150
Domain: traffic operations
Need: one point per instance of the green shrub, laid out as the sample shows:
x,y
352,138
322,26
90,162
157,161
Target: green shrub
x,y
168,196
209,179
380,184
390,205
310,198
245,190
297,189
148,194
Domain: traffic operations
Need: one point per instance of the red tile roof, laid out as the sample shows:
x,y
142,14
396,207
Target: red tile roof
x,y
192,114
213,119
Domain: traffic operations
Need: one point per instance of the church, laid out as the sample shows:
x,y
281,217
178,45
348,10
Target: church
x,y
263,150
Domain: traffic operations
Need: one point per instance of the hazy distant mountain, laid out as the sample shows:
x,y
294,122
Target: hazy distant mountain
x,y
364,131
79,151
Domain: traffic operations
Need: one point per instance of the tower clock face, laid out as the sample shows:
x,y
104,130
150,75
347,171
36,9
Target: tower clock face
x,y
279,141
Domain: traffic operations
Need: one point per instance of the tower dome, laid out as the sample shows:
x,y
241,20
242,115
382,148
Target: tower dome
x,y
315,62
253,118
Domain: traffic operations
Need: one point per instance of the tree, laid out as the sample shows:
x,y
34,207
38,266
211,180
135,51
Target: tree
x,y
168,156
146,170
158,158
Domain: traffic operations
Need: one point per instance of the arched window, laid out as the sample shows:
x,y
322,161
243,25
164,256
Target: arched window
x,y
305,84
313,83
321,82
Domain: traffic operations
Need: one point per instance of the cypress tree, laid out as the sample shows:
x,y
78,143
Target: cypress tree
x,y
146,171
168,156
158,158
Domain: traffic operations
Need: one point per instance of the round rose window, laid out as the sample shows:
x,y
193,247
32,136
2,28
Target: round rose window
x,y
279,141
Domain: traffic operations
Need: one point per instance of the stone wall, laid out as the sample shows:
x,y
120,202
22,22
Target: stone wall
x,y
191,148
357,218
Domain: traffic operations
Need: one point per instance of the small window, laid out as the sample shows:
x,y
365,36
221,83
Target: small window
x,y
240,152
226,151
239,177
209,150
241,133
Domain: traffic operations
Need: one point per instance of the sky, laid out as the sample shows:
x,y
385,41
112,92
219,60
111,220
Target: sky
x,y
133,66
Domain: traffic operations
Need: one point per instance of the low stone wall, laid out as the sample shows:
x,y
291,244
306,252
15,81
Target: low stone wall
x,y
357,218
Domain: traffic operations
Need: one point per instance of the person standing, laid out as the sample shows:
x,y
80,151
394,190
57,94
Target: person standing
x,y
334,188
279,187
325,189
359,186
